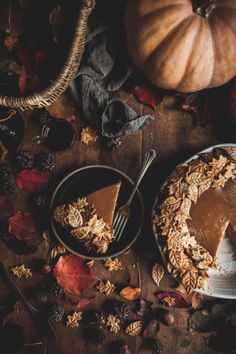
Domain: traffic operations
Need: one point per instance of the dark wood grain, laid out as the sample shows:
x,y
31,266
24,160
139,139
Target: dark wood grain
x,y
175,137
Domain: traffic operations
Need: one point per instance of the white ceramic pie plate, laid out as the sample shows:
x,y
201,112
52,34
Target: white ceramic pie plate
x,y
222,280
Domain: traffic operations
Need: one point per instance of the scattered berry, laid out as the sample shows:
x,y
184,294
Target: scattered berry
x,y
45,268
168,318
45,162
5,173
45,119
8,189
54,288
54,312
40,200
23,160
94,319
7,183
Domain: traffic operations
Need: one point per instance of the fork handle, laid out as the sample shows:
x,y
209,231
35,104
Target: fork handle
x,y
15,289
149,157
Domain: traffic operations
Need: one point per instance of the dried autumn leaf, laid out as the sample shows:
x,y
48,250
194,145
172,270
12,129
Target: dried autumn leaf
x,y
189,280
172,299
31,180
157,273
151,330
22,225
130,293
148,95
6,208
73,275
134,328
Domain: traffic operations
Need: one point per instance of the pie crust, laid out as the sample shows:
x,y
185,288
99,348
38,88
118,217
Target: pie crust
x,y
187,259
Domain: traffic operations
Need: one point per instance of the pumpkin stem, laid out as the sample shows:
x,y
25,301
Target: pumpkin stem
x,y
203,7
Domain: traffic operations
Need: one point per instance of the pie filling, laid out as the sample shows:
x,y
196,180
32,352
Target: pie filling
x,y
198,205
89,219
214,211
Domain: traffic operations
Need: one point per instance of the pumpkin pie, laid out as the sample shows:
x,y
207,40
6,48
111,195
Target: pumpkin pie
x,y
197,207
89,219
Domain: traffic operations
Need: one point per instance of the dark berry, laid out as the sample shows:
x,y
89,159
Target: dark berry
x,y
94,319
54,312
40,200
23,160
54,288
95,335
121,310
46,162
5,173
46,268
8,189
45,119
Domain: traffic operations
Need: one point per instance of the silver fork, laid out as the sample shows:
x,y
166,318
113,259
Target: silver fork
x,y
123,213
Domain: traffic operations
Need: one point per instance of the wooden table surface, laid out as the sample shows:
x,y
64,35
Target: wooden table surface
x,y
175,136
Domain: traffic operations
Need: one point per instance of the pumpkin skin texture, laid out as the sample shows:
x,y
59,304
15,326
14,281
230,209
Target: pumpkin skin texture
x,y
178,49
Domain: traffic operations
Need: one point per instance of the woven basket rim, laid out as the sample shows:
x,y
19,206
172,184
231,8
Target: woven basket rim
x,y
48,95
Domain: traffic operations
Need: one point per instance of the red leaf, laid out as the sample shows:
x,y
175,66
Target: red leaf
x,y
6,208
73,275
147,95
172,299
22,225
31,180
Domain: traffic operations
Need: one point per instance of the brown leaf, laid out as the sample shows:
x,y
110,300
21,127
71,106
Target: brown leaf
x,y
157,273
130,293
64,108
134,328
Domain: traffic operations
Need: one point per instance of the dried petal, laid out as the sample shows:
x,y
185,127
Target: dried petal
x,y
130,293
148,95
31,180
157,273
22,225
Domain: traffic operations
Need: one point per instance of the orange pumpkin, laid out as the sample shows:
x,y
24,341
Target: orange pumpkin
x,y
185,45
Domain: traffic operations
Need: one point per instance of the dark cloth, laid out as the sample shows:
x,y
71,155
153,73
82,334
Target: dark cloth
x,y
104,69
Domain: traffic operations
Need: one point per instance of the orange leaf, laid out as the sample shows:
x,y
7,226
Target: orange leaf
x,y
130,293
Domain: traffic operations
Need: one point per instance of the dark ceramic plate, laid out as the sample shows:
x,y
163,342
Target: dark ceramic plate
x,y
83,181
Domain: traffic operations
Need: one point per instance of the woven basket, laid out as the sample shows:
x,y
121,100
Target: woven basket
x,y
66,75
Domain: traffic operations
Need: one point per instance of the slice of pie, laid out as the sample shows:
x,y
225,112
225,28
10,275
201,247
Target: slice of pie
x,y
197,206
89,219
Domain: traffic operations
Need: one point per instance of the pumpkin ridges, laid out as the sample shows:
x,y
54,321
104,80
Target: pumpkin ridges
x,y
172,52
209,68
223,69
141,31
